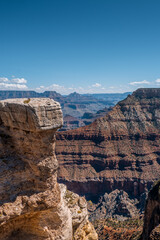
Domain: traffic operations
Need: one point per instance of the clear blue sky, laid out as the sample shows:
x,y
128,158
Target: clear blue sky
x,y
79,45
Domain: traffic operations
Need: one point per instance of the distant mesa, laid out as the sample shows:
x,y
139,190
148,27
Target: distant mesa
x,y
147,93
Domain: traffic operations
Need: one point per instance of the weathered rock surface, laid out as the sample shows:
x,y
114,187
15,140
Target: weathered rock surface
x,y
152,214
116,203
118,151
32,204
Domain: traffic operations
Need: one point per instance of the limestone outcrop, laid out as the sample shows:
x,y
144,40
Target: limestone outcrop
x,y
118,151
33,206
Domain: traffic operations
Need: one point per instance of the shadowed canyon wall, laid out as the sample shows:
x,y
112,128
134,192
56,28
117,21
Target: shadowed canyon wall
x,y
152,213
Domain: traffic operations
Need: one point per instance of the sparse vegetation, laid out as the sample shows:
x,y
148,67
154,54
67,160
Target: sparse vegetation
x,y
1,214
69,197
90,202
113,229
27,101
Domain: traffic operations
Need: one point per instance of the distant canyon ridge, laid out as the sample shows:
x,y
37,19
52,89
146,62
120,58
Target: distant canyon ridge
x,y
78,110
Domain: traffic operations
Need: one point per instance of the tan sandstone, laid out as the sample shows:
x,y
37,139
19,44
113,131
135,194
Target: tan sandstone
x,y
33,206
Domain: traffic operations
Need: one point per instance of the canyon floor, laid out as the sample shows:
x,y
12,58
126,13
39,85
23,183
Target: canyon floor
x,y
129,229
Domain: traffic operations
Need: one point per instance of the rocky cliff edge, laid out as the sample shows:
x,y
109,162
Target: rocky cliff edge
x,y
33,206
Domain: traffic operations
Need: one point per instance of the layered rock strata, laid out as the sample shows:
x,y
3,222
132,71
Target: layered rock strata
x,y
32,204
118,151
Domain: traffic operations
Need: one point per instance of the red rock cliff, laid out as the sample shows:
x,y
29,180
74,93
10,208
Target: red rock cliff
x,y
120,150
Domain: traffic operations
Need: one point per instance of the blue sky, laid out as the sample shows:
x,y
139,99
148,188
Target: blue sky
x,y
79,45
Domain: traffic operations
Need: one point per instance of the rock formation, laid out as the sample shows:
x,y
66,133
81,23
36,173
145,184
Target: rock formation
x,y
33,206
118,151
74,104
152,214
117,204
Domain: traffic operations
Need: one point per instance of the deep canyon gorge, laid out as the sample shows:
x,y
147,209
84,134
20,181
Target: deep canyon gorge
x,y
113,163
117,154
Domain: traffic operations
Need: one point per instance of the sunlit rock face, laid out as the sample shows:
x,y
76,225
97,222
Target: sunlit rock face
x,y
32,204
118,151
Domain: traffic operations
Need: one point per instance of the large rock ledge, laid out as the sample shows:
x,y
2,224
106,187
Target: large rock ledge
x,y
31,114
33,206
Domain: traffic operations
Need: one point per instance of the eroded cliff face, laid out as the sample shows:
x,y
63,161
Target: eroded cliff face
x,y
118,151
33,206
